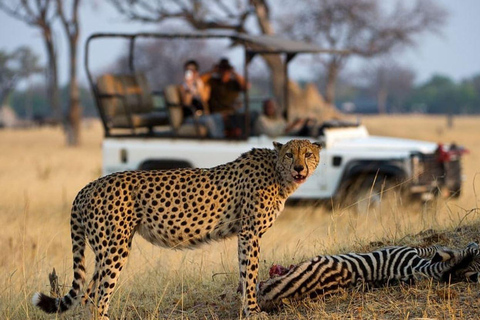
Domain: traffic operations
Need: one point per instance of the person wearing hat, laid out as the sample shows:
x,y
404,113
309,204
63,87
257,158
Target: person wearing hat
x,y
225,86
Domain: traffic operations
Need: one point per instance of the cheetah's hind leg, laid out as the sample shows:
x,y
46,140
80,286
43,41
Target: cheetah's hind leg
x,y
108,266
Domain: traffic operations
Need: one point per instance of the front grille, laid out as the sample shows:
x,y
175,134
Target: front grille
x,y
428,173
432,170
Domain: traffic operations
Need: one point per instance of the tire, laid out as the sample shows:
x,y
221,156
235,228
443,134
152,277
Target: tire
x,y
453,178
370,193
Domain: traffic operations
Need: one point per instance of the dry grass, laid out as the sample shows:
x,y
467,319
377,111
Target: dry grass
x,y
40,177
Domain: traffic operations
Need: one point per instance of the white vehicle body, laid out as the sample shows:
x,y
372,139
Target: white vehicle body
x,y
342,148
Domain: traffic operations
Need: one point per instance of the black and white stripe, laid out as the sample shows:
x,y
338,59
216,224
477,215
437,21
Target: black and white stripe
x,y
325,275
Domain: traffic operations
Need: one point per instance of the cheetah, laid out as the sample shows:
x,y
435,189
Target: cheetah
x,y
181,208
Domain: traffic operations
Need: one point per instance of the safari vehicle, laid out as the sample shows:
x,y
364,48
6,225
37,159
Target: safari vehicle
x,y
355,167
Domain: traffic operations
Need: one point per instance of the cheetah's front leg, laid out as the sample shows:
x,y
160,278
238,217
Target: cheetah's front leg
x,y
248,257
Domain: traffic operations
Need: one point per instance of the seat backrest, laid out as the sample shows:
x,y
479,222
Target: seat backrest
x,y
109,84
172,100
146,98
132,92
135,91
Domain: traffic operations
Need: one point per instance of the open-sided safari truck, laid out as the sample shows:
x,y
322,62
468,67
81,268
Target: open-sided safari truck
x,y
355,168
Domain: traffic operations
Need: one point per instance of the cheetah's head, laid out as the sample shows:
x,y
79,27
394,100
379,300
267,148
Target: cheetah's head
x,y
297,159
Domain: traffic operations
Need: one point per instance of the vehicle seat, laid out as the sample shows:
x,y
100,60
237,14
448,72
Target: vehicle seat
x,y
173,102
125,101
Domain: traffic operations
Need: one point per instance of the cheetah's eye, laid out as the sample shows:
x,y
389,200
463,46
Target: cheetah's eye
x,y
308,155
289,155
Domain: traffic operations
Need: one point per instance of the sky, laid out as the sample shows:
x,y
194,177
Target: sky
x,y
456,53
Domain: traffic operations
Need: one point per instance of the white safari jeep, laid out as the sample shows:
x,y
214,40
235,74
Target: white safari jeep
x,y
355,167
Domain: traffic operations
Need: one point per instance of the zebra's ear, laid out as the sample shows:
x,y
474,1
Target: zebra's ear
x,y
277,145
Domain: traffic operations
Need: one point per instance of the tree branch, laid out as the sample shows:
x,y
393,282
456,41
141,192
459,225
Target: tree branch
x,y
194,12
16,13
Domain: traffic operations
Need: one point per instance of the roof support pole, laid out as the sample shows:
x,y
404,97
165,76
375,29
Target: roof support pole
x,y
248,58
131,54
288,57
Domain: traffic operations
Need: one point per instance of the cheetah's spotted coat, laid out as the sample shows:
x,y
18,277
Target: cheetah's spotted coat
x,y
181,208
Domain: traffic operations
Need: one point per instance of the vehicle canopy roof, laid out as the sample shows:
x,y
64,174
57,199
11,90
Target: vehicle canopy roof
x,y
254,44
263,43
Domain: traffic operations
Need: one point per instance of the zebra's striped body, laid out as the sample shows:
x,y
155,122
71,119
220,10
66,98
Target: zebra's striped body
x,y
325,275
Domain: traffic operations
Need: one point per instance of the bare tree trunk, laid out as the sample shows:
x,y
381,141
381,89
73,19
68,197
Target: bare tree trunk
x,y
53,91
72,30
332,74
274,62
40,14
263,16
275,65
75,110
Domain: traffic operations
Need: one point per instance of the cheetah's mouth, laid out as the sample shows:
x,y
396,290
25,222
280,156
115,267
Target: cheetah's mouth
x,y
299,178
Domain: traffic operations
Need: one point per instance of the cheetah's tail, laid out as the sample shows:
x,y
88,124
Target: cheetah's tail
x,y
54,305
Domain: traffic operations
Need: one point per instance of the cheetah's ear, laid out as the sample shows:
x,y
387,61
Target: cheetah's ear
x,y
320,145
278,146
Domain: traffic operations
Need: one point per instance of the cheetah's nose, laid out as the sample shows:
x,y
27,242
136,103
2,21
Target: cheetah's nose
x,y
298,168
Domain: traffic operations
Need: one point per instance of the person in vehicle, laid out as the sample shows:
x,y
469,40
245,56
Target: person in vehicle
x,y
272,124
224,85
194,96
193,92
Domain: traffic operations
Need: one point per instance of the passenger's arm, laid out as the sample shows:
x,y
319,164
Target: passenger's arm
x,y
241,81
185,96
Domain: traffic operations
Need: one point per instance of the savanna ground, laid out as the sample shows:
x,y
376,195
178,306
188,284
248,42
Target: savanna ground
x,y
39,177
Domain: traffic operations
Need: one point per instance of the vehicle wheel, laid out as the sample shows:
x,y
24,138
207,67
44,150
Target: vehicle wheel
x,y
370,193
453,179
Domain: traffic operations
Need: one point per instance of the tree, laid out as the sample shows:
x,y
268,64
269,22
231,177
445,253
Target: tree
x,y
71,27
8,76
473,86
40,14
475,81
364,27
442,95
15,66
28,66
390,82
40,107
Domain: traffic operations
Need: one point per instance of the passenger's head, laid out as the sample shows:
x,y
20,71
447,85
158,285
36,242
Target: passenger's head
x,y
269,107
224,65
191,65
225,69
191,70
